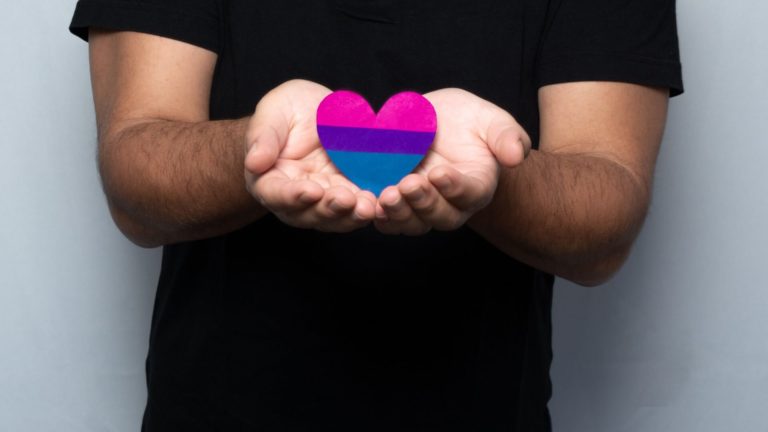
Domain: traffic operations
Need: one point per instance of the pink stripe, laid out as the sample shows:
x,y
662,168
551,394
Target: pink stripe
x,y
345,108
406,111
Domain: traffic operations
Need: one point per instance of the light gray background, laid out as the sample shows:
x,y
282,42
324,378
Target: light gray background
x,y
678,341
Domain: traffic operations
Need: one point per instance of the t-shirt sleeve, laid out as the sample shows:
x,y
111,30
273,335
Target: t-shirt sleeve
x,y
192,21
631,41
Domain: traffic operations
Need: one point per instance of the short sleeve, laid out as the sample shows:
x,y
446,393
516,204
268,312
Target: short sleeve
x,y
192,21
611,40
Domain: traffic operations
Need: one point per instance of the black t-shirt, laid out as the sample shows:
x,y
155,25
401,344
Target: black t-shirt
x,y
271,328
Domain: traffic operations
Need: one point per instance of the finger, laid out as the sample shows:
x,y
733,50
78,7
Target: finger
x,y
365,208
420,195
507,140
460,190
394,206
337,203
381,214
265,138
339,179
279,193
341,211
396,216
411,226
430,206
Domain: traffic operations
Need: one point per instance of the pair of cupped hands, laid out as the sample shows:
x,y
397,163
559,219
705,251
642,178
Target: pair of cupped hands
x,y
290,174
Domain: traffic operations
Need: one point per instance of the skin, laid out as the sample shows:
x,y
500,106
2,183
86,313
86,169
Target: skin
x,y
459,175
289,173
169,174
572,208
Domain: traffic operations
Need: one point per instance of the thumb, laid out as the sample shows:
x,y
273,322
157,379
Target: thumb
x,y
508,141
265,139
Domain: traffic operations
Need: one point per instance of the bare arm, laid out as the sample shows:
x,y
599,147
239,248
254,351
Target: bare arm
x,y
574,207
169,174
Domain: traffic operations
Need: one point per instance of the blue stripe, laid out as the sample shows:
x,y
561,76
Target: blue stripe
x,y
374,171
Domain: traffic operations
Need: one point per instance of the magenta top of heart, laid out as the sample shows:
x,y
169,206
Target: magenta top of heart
x,y
406,111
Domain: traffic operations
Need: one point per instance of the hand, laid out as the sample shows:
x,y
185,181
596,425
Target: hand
x,y
459,174
288,171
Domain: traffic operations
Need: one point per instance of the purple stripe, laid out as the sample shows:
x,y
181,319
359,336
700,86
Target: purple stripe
x,y
374,140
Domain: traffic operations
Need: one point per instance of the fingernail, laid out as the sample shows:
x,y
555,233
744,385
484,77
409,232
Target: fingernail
x,y
417,195
444,181
304,198
301,197
392,201
334,206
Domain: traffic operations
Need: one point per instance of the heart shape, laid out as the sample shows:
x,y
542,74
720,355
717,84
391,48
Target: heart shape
x,y
376,151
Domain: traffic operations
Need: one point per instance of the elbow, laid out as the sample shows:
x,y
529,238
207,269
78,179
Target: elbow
x,y
135,230
598,269
606,245
602,248
131,188
123,199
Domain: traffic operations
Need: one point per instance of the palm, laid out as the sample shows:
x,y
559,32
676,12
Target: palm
x,y
290,173
457,143
459,174
303,158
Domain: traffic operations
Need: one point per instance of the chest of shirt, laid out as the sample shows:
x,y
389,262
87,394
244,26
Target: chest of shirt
x,y
377,47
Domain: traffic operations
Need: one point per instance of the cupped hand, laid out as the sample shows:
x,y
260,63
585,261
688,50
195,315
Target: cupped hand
x,y
288,171
459,174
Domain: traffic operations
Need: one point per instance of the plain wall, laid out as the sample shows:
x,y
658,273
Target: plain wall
x,y
75,296
678,341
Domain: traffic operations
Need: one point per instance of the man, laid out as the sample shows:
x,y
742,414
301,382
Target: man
x,y
286,300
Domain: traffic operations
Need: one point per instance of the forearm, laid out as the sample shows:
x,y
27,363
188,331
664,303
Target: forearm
x,y
170,181
573,215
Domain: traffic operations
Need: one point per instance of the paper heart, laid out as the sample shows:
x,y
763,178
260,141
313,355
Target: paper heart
x,y
375,151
